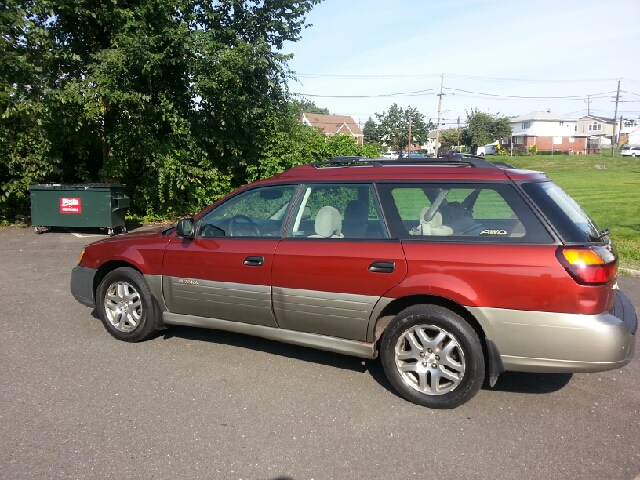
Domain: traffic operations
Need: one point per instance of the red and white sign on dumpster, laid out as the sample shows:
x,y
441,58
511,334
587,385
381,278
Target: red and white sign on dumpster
x,y
70,205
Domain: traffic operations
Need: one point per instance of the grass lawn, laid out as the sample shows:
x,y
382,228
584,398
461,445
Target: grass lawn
x,y
610,195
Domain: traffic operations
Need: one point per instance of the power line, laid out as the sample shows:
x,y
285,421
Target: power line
x,y
562,97
417,93
452,75
469,94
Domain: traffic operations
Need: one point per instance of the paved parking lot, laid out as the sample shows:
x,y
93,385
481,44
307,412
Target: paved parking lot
x,y
192,403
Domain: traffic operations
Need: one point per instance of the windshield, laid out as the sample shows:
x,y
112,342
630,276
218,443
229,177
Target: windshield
x,y
572,223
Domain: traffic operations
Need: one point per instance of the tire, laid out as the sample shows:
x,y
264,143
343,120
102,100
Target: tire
x,y
126,305
432,357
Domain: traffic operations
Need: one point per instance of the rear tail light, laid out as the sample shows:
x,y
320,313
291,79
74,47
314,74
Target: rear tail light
x,y
589,265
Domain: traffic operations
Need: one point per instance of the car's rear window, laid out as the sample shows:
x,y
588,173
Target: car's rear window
x,y
564,213
483,212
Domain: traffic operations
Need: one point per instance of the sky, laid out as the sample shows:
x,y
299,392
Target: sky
x,y
359,57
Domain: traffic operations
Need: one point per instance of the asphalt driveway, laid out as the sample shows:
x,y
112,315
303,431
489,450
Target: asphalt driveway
x,y
193,403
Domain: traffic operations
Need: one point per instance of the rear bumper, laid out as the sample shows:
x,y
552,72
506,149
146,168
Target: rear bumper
x,y
82,285
560,342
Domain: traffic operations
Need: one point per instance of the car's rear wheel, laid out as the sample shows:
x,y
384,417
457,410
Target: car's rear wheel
x,y
126,305
432,357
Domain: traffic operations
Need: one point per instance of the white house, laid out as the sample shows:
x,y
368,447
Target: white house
x,y
546,130
634,136
628,125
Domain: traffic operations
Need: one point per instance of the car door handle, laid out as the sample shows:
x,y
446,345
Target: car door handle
x,y
382,267
254,261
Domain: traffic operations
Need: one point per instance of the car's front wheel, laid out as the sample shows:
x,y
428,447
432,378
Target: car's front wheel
x,y
432,357
126,305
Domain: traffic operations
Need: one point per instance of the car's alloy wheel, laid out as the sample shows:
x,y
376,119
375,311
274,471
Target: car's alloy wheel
x,y
123,306
432,356
127,307
430,359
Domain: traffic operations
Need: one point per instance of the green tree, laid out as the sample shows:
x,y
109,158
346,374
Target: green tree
x,y
450,137
176,98
370,131
303,144
25,156
307,106
393,128
483,128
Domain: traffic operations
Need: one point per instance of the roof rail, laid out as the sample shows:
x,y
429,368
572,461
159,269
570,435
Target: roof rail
x,y
456,159
347,160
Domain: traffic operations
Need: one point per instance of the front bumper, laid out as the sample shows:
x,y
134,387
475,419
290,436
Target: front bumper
x,y
560,342
82,285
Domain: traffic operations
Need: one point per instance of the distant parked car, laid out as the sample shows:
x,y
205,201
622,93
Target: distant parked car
x,y
486,150
390,155
630,151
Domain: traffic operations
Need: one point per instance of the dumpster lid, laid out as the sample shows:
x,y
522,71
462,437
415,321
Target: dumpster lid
x,y
78,185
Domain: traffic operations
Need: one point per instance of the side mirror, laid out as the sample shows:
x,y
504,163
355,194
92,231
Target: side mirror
x,y
185,229
306,212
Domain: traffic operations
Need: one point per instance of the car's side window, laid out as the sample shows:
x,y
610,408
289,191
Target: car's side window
x,y
486,212
337,211
259,212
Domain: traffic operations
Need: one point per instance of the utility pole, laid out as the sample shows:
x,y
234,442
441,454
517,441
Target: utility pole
x,y
615,117
458,133
439,110
409,147
588,102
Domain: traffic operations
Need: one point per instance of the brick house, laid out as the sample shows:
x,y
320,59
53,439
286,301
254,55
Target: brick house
x,y
547,131
333,125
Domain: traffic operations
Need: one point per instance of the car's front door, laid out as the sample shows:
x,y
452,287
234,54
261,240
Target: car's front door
x,y
335,262
225,271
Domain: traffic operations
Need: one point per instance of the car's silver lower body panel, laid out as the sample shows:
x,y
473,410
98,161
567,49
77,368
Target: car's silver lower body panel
x,y
344,315
322,342
557,342
155,285
225,300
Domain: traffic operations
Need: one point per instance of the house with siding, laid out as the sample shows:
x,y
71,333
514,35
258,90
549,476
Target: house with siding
x,y
627,127
598,128
633,137
547,131
333,125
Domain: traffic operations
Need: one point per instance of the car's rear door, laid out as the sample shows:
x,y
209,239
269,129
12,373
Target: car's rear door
x,y
225,271
327,280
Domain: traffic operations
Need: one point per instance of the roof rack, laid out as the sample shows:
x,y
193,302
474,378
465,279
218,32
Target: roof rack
x,y
457,159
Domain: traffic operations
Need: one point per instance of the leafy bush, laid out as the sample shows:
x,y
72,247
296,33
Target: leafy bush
x,y
181,101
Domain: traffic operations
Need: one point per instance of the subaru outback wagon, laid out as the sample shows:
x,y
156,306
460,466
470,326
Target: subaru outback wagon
x,y
450,270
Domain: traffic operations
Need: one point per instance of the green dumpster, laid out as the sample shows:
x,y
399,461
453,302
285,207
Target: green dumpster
x,y
79,205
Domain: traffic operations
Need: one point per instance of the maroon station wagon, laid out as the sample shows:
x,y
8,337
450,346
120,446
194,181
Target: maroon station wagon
x,y
450,270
